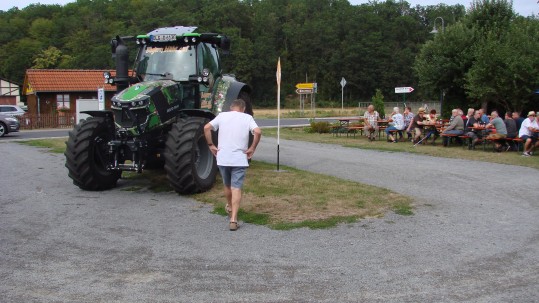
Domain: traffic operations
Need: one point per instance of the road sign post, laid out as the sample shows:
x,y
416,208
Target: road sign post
x,y
343,83
403,91
303,89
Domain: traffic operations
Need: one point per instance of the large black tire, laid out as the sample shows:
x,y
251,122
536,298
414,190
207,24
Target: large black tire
x,y
87,155
190,165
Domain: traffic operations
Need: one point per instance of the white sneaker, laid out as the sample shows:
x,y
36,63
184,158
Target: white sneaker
x,y
526,154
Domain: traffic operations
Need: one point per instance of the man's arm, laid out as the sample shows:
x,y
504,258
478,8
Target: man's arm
x,y
257,135
207,134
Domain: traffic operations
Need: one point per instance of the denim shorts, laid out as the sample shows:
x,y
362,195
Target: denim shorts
x,y
233,176
526,137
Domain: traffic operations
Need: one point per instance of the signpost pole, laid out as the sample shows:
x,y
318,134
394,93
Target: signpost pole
x,y
278,108
343,83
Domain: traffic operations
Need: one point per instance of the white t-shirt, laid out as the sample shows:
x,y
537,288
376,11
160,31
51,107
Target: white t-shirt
x,y
398,121
234,128
524,127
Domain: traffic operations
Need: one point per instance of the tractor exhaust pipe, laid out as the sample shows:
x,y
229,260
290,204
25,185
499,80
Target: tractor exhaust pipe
x,y
121,54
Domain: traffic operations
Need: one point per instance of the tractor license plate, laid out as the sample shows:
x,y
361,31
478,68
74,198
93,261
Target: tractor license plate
x,y
163,38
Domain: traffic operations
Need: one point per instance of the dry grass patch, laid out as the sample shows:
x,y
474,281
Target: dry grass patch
x,y
295,196
271,113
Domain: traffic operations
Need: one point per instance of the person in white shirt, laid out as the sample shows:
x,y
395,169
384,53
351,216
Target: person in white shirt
x,y
526,133
232,152
397,121
370,122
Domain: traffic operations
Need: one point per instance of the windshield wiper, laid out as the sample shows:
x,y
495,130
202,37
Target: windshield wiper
x,y
166,76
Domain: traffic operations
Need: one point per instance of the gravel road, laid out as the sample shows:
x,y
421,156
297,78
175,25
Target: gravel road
x,y
474,237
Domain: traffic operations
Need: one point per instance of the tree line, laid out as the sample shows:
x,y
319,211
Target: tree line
x,y
485,55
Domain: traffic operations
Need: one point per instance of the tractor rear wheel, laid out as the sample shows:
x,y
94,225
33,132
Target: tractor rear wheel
x,y
87,155
189,164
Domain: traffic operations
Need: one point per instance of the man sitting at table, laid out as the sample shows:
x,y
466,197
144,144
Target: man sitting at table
x,y
456,126
511,127
526,133
408,117
518,119
501,130
430,127
371,122
397,123
474,134
417,124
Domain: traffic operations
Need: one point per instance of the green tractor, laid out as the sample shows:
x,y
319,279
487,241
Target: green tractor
x,y
158,113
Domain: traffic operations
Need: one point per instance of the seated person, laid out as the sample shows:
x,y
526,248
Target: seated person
x,y
456,126
474,134
527,134
512,131
501,130
408,117
417,124
430,127
371,122
397,123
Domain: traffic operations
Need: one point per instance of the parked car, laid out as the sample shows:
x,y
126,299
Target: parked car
x,y
11,110
8,124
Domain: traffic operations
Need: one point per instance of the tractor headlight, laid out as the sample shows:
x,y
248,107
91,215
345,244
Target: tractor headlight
x,y
106,75
205,72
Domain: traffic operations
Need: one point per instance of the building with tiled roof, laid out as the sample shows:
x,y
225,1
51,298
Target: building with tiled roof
x,y
9,92
50,90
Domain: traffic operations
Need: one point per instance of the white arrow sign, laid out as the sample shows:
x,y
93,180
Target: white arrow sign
x,y
403,90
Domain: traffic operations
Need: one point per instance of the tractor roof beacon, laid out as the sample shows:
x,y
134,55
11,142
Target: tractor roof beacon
x,y
158,113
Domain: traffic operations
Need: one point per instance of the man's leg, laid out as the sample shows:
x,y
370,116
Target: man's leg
x,y
237,177
527,145
236,199
228,195
417,136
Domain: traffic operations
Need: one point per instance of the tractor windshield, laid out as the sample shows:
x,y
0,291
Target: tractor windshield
x,y
160,61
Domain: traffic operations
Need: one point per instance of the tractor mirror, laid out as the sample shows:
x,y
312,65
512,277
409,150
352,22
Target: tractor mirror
x,y
113,45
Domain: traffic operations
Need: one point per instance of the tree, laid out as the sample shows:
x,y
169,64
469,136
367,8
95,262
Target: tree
x,y
378,103
51,58
477,58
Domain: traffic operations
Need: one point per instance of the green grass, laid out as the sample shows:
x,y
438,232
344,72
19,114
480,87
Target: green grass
x,y
453,151
54,145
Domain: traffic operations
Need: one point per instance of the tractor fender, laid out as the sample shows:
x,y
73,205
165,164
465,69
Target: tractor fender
x,y
106,114
99,113
228,90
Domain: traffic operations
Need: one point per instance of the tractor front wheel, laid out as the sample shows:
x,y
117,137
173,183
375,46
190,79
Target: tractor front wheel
x,y
189,164
87,155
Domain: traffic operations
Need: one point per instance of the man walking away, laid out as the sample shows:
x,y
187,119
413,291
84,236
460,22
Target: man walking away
x,y
232,152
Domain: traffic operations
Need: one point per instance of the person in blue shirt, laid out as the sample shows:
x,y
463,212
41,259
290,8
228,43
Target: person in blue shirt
x,y
484,117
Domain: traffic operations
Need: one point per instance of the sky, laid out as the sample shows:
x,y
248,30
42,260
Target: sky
x,y
522,7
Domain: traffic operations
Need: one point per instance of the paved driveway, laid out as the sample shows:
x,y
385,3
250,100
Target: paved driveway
x,y
474,237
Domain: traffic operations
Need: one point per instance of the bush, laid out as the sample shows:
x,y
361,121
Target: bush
x,y
318,127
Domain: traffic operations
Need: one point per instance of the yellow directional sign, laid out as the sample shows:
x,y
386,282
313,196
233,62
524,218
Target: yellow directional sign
x,y
305,85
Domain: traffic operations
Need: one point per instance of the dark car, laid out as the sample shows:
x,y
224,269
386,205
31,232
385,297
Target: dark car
x,y
8,124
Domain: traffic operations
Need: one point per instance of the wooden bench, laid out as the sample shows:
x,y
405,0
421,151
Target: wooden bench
x,y
353,130
448,137
516,142
468,140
